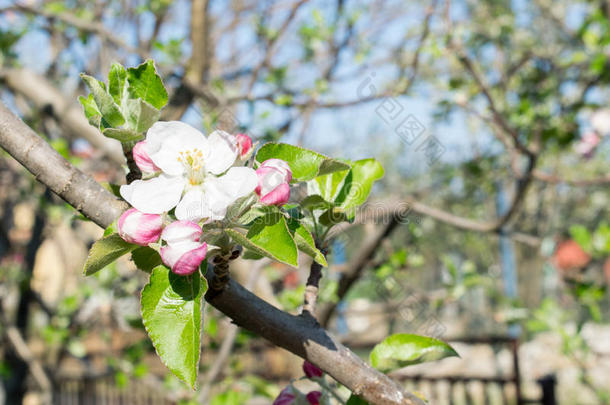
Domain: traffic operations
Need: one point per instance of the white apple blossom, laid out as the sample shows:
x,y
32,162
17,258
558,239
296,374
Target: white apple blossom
x,y
196,174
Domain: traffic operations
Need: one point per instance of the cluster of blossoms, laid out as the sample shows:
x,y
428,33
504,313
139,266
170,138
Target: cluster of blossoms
x,y
292,396
195,178
600,127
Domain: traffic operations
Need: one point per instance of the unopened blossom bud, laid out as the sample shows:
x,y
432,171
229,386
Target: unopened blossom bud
x,y
142,159
311,371
244,144
274,176
286,397
139,228
314,397
183,251
587,145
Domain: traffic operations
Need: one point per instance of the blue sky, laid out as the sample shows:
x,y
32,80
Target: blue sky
x,y
353,132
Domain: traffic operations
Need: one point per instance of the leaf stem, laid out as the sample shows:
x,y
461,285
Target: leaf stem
x,y
328,388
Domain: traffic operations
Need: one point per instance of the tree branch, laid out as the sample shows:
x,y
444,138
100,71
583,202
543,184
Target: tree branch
x,y
68,114
311,289
301,335
93,27
75,187
358,264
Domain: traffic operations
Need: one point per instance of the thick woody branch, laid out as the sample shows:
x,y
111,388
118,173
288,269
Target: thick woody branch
x,y
75,187
301,335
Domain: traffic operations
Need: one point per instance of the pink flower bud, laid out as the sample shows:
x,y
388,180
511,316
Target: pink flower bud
x,y
587,145
274,176
139,228
183,252
142,159
314,397
244,144
311,371
286,397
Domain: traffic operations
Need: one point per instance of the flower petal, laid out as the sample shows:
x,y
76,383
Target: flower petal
x,y
154,196
181,231
142,159
190,261
244,144
281,165
185,258
193,207
139,228
222,152
268,179
166,139
278,196
220,192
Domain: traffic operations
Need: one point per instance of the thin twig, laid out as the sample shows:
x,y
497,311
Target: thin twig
x,y
311,288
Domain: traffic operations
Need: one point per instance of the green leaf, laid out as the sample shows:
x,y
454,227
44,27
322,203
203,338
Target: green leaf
x,y
105,251
240,207
315,202
94,116
358,185
250,255
117,82
304,163
123,135
404,349
112,228
305,241
331,184
583,237
146,258
145,83
171,313
269,236
230,398
356,400
140,115
104,101
333,216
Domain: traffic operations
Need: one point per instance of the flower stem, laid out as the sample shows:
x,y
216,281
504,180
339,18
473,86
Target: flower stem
x,y
328,388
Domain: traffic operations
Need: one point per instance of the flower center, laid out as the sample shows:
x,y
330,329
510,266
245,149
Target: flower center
x,y
193,162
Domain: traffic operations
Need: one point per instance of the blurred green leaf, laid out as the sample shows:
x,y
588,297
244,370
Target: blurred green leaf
x,y
123,135
404,349
356,400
